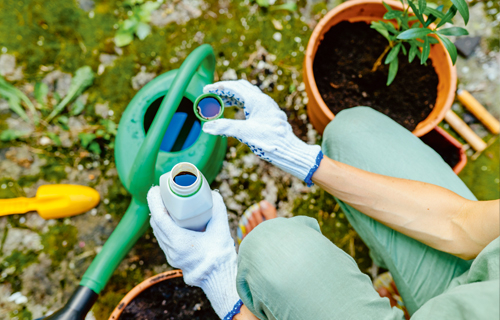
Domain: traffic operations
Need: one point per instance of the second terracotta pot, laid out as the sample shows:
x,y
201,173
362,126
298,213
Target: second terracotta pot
x,y
373,10
140,288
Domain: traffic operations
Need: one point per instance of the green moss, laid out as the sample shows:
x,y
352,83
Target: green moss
x,y
53,172
106,303
21,314
122,281
482,175
119,199
334,225
10,189
59,240
18,261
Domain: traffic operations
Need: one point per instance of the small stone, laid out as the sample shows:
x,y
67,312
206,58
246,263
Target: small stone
x,y
141,79
45,141
102,109
277,36
277,25
18,298
466,45
469,118
229,74
7,64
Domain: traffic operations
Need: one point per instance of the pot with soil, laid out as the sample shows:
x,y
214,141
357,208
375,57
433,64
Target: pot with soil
x,y
447,147
342,69
164,297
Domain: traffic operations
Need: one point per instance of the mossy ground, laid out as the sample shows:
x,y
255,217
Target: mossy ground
x,y
58,35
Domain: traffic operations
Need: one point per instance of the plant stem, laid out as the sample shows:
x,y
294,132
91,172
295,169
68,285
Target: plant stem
x,y
379,60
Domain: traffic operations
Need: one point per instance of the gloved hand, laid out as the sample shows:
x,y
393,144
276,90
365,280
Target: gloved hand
x,y
208,259
266,129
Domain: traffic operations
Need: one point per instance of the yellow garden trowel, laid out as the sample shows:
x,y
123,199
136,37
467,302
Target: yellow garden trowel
x,y
53,201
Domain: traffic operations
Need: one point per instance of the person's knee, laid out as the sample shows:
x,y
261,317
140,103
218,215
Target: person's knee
x,y
274,238
348,124
276,230
270,248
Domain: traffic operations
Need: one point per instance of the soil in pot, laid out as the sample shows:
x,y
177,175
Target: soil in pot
x,y
170,300
343,72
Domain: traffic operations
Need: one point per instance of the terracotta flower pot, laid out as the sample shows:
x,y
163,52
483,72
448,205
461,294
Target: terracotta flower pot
x,y
140,288
447,146
373,10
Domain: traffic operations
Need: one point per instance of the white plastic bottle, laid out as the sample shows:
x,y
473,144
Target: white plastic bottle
x,y
187,196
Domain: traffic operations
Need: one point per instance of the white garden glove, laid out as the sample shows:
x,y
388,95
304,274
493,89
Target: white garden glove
x,y
208,259
266,129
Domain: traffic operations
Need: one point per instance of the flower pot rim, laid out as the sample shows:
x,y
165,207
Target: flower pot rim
x,y
140,288
424,126
463,157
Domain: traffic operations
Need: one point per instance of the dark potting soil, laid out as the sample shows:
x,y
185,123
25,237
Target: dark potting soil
x,y
170,300
342,70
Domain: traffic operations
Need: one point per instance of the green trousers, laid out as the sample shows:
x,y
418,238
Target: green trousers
x,y
288,270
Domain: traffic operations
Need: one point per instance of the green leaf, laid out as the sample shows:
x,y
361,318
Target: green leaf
x,y
448,16
425,50
414,33
453,31
430,20
55,138
412,53
393,54
404,49
289,6
393,70
433,40
393,15
41,91
143,30
416,25
452,50
110,126
388,7
150,6
438,14
377,25
462,8
129,25
422,4
77,107
84,77
94,147
86,138
389,26
14,97
417,13
262,3
10,135
123,38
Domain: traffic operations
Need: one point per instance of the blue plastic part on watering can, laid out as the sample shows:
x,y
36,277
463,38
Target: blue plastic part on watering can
x,y
174,129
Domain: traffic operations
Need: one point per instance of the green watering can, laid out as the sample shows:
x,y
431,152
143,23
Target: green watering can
x,y
157,130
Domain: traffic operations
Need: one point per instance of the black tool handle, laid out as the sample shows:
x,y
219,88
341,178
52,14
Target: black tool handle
x,y
77,307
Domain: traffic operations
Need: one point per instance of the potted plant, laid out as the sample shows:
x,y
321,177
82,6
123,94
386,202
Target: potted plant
x,y
364,52
164,296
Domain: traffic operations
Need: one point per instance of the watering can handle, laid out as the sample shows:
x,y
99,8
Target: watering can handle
x,y
142,177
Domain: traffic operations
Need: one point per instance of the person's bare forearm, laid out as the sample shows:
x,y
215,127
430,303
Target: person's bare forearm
x,y
245,314
431,214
